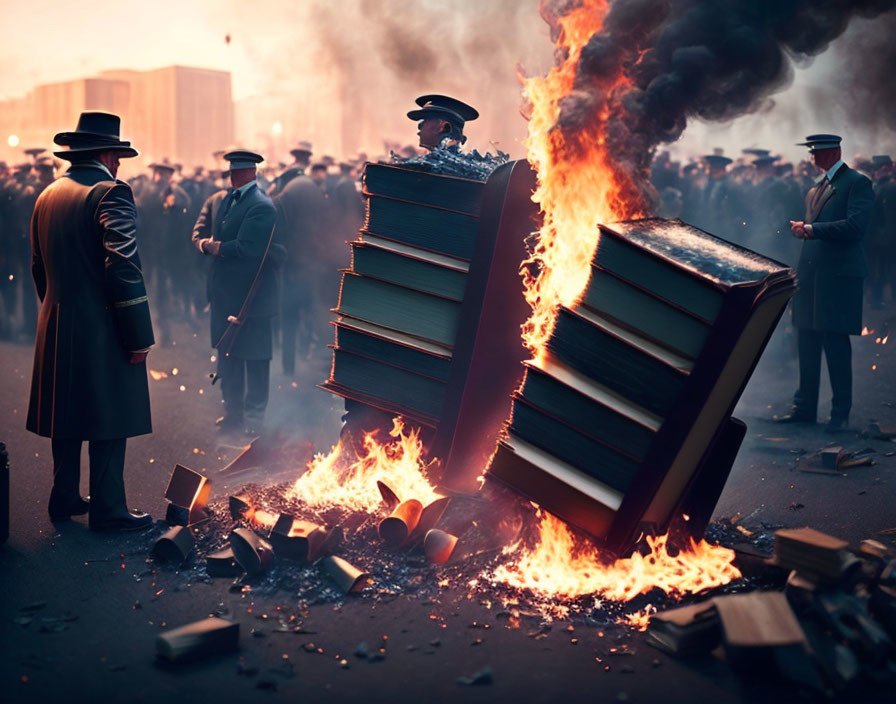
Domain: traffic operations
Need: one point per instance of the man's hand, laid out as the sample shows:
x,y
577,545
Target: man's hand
x,y
209,246
137,357
800,229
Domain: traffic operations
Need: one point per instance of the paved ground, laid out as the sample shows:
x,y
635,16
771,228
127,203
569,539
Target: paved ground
x,y
103,604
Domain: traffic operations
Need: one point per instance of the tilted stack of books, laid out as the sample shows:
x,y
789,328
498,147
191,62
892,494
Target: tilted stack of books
x,y
620,418
400,302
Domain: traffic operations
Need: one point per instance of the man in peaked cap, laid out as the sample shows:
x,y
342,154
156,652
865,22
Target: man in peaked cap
x,y
242,290
94,329
441,116
441,132
827,306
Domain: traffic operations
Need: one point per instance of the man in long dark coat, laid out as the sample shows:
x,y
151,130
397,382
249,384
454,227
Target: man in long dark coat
x,y
94,330
242,290
827,306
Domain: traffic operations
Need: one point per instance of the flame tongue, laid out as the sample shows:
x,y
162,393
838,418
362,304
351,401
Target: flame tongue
x,y
579,183
335,481
560,566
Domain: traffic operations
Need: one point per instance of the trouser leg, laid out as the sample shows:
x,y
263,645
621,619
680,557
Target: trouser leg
x,y
288,324
107,497
809,346
233,386
66,475
838,353
258,372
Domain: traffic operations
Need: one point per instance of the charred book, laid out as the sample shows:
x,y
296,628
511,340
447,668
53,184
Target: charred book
x,y
624,423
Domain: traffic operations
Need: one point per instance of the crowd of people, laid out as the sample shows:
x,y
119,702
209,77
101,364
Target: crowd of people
x,y
750,199
257,249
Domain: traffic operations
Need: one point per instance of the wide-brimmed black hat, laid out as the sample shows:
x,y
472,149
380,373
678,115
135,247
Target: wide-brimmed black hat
x,y
162,166
445,107
96,131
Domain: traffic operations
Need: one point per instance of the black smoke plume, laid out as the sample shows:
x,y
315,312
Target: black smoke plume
x,y
709,59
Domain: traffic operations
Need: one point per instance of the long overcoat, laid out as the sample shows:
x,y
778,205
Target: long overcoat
x,y
93,314
243,228
832,263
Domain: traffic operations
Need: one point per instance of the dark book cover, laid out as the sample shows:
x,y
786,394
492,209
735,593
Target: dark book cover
x,y
419,225
437,190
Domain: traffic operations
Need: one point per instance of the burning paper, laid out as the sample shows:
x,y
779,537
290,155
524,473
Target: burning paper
x,y
334,480
561,567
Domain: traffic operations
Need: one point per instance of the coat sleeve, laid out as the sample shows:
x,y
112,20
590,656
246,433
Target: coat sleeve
x,y
202,229
858,214
254,233
125,289
38,272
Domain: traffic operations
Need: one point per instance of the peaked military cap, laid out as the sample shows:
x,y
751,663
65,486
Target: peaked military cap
x,y
34,151
96,131
766,160
717,160
755,151
161,166
821,141
243,159
443,106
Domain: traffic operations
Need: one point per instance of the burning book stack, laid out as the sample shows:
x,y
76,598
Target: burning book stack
x,y
626,418
400,303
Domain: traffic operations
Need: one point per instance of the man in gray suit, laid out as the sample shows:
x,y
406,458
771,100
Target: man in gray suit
x,y
242,291
827,306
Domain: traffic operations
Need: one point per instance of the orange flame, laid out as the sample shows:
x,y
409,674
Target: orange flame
x,y
334,481
579,184
560,566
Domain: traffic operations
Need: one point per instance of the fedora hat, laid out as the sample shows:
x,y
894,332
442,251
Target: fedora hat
x,y
96,131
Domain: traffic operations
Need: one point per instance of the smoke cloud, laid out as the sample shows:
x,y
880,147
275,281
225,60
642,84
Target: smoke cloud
x,y
706,59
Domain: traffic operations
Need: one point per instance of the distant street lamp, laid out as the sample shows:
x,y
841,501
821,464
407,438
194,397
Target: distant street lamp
x,y
13,140
277,129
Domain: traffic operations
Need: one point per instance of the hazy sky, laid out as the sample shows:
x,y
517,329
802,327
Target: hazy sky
x,y
279,41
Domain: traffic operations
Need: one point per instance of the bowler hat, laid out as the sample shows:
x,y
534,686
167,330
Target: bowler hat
x,y
96,131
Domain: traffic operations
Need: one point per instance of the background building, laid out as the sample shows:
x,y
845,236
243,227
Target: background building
x,y
178,112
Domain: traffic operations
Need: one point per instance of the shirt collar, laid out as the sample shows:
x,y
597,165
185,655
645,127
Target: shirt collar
x,y
833,170
245,187
94,164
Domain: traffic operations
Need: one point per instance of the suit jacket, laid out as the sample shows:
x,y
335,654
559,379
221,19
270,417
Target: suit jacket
x,y
94,311
243,228
832,264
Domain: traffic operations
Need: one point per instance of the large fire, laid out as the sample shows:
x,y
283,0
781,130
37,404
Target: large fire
x,y
579,184
560,566
334,480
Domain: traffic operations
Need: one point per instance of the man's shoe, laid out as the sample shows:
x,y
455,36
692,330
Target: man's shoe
x,y
228,424
134,520
836,425
78,507
795,417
